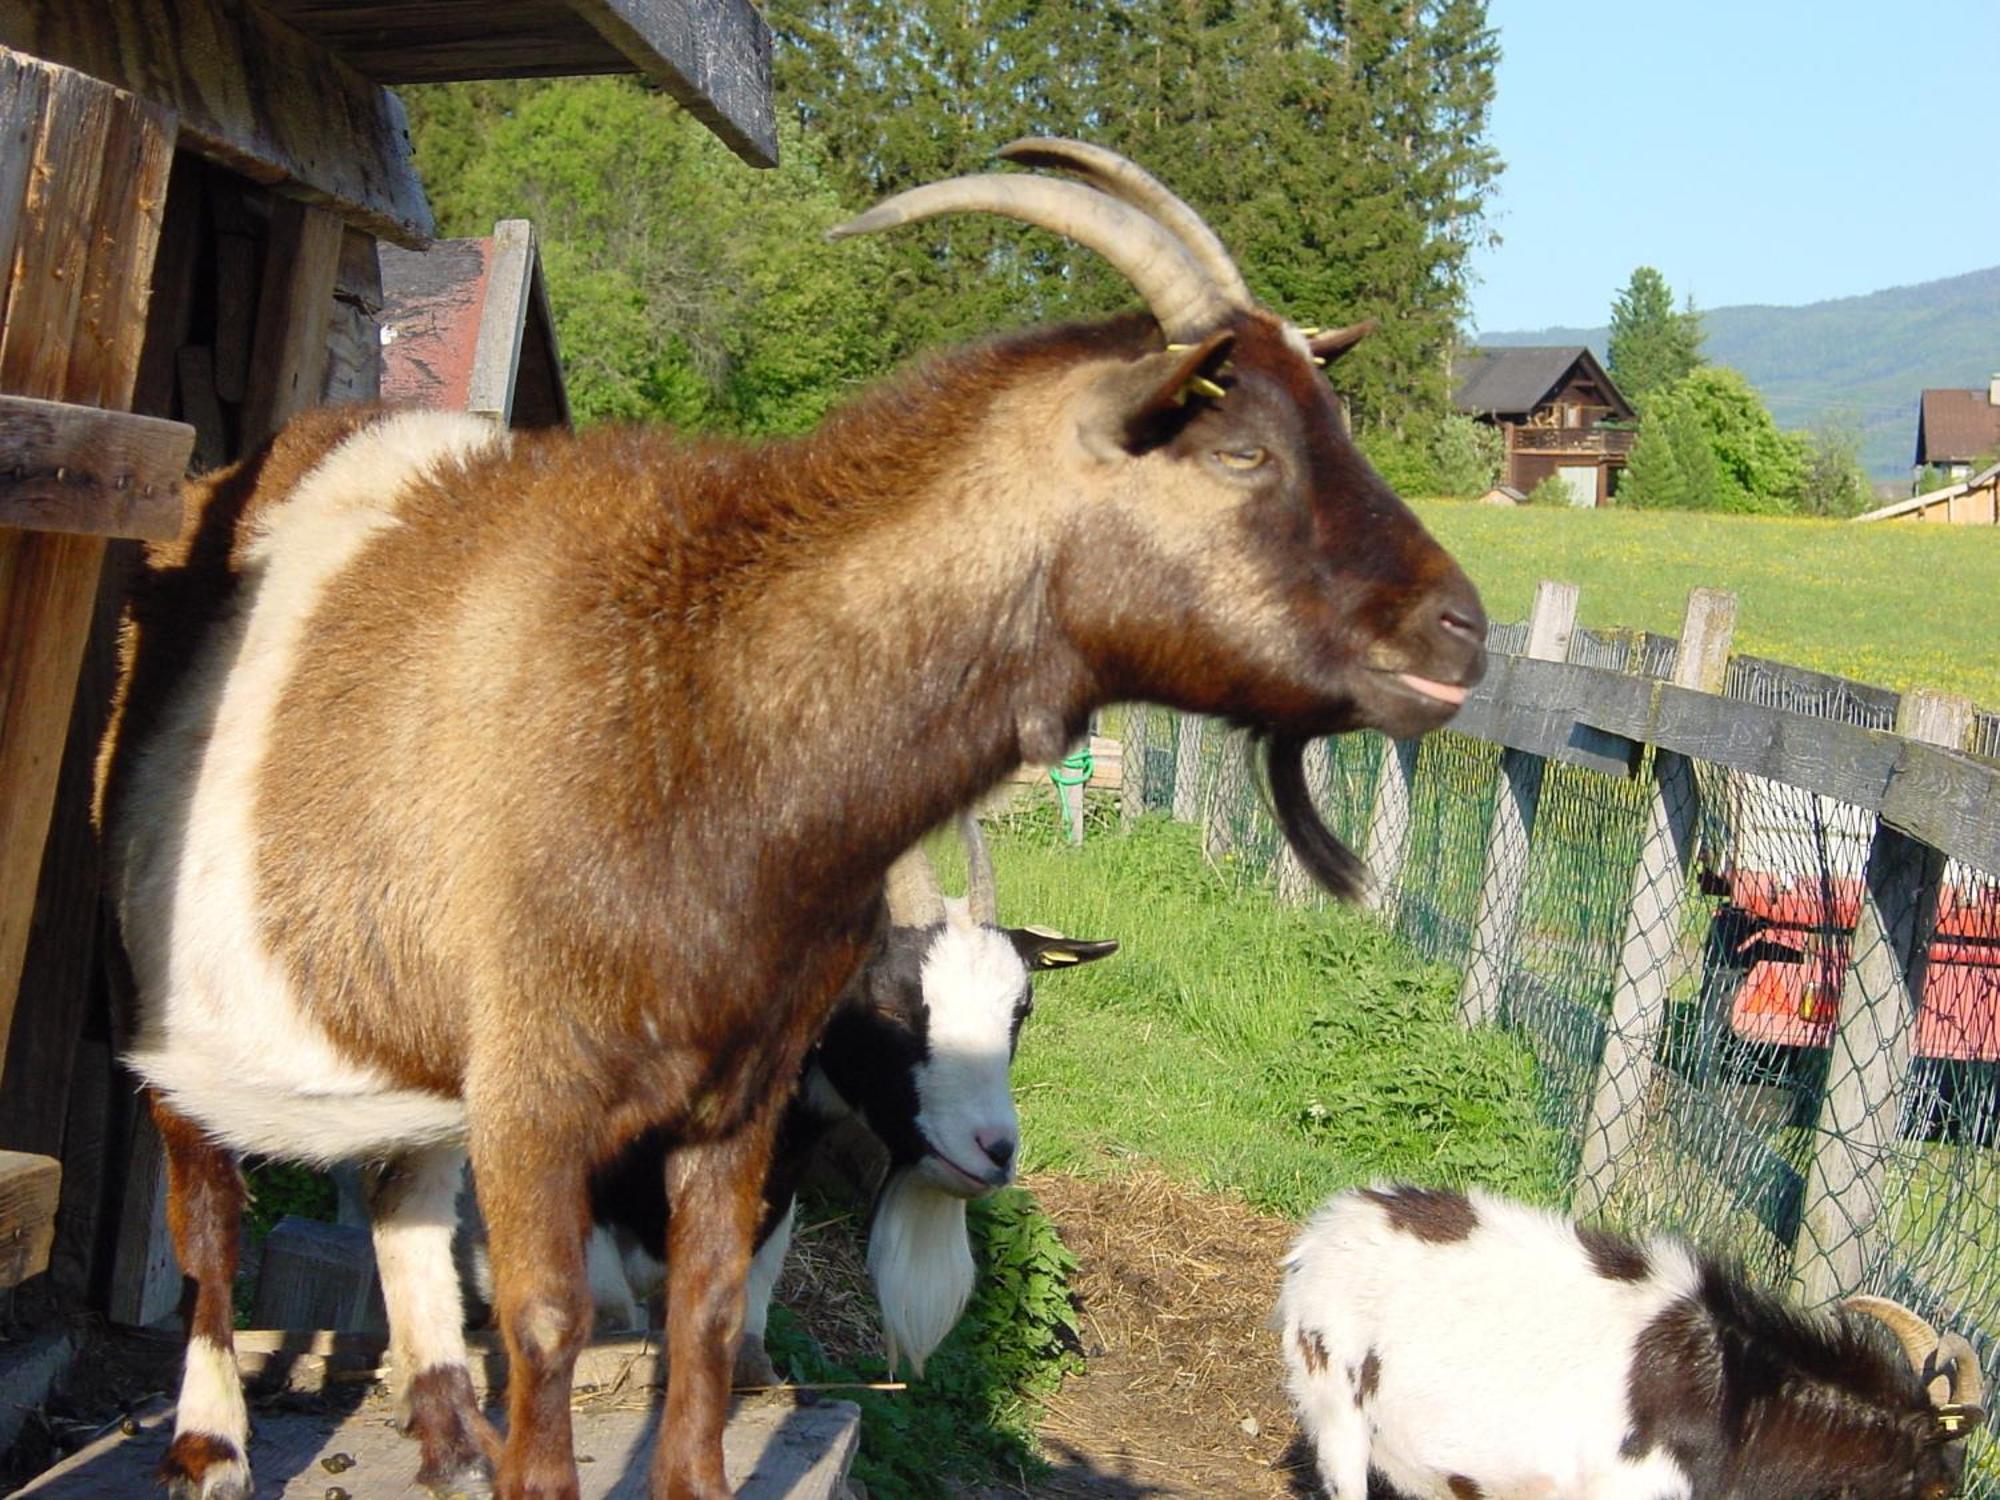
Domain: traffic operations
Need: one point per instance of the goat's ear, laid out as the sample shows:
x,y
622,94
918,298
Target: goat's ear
x,y
1042,951
1146,403
1328,344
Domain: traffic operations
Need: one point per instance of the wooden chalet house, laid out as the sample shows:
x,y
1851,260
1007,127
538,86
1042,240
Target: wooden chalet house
x,y
1551,406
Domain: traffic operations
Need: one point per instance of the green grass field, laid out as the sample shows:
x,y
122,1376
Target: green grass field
x,y
1899,605
1247,1048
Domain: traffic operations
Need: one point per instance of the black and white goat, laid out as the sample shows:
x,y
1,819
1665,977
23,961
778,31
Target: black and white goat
x,y
1462,1346
918,1054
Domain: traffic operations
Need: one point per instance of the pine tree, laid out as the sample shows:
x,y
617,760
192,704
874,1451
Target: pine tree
x,y
1651,345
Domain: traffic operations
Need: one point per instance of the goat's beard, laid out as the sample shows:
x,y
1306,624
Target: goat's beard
x,y
920,1259
1325,857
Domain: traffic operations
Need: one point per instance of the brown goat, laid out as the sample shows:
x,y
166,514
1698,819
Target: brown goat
x,y
521,793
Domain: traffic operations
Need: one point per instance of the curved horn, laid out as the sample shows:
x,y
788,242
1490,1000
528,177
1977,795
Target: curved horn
x,y
1968,1388
1111,173
981,895
1919,1340
1144,253
915,898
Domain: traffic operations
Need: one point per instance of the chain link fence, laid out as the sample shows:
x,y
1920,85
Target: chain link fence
x,y
1715,972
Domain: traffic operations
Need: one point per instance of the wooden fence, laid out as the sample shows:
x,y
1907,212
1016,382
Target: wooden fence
x,y
1595,844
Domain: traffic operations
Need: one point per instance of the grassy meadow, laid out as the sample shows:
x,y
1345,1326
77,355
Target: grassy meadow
x,y
1898,605
1245,1047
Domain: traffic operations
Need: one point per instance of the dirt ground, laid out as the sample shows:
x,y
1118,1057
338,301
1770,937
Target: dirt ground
x,y
1180,1394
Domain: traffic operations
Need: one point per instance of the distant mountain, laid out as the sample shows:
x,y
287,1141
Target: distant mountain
x,y
1860,360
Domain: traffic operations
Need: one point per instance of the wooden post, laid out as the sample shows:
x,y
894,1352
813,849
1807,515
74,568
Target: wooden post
x,y
82,189
288,358
1860,1115
1295,886
1187,767
1652,959
1137,722
1226,795
1550,624
1388,841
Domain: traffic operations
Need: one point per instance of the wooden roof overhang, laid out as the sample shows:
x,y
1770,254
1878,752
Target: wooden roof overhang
x,y
292,92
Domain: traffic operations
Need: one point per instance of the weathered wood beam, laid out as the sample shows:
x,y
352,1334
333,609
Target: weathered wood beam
x,y
714,56
1942,797
251,93
83,469
29,1186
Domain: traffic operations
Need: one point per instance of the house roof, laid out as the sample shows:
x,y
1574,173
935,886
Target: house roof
x,y
1512,382
1956,426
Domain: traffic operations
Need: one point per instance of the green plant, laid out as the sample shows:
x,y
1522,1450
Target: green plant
x,y
972,1412
281,1188
1551,491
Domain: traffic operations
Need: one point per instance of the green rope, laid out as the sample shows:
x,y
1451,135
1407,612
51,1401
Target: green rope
x,y
1072,770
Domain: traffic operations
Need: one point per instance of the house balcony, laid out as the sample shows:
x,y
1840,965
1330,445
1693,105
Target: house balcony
x,y
1594,442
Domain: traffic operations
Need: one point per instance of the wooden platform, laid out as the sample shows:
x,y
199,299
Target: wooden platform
x,y
774,1450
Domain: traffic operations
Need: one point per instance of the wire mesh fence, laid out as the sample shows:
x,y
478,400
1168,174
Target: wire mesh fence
x,y
1760,1016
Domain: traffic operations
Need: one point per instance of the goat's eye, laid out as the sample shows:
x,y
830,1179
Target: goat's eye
x,y
1241,458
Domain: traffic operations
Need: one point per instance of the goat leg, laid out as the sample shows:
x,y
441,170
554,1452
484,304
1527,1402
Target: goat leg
x,y
413,1204
209,1458
531,1187
716,1188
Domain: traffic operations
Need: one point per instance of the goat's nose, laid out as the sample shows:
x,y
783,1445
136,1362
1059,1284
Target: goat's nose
x,y
998,1146
1461,614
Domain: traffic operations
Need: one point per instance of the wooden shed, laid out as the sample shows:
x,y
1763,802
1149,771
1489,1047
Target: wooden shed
x,y
208,215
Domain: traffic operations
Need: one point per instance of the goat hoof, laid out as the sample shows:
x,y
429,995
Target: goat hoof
x,y
203,1466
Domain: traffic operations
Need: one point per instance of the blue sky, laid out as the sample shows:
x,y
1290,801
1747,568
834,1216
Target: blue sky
x,y
1773,151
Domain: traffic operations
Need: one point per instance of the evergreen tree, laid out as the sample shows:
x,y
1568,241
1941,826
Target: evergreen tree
x,y
1651,345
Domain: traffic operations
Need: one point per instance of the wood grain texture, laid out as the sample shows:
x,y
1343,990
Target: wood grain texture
x,y
1941,796
714,56
78,468
773,1449
251,93
288,358
29,1186
82,235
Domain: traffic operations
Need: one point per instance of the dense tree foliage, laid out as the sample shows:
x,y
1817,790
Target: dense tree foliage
x,y
1339,148
1651,345
1708,443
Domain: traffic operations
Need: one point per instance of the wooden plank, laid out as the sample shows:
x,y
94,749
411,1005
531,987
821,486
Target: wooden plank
x,y
81,270
145,1277
318,1275
170,308
1652,959
235,314
714,56
1940,796
29,1186
78,468
202,408
1188,732
1388,841
1511,833
774,1448
251,93
1860,1117
503,318
288,360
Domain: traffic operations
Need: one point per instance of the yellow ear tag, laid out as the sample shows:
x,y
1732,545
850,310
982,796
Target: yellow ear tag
x,y
1202,385
1047,932
1057,956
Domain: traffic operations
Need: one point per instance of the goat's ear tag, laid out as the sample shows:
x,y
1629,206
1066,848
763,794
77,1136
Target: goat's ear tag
x,y
1147,402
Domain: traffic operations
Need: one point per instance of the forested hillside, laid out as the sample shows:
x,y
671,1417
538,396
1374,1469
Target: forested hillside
x,y
1340,150
1858,361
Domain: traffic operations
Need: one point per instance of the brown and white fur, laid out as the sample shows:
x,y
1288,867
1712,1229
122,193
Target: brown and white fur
x,y
517,794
